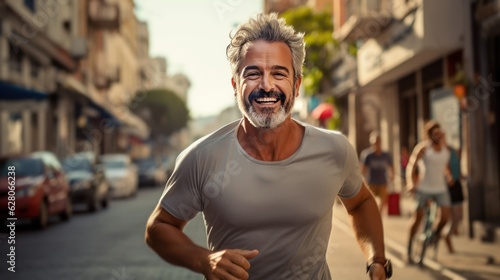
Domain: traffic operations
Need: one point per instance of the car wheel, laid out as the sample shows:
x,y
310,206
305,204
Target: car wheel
x,y
68,210
105,200
43,217
93,203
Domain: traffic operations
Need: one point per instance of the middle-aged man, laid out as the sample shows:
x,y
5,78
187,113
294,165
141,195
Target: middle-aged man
x,y
266,184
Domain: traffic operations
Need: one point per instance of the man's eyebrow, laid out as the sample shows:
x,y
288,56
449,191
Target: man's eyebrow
x,y
274,67
279,67
251,67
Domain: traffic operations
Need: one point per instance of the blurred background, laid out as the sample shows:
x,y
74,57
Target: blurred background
x,y
98,97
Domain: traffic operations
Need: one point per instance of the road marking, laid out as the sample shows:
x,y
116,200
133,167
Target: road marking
x,y
345,227
427,261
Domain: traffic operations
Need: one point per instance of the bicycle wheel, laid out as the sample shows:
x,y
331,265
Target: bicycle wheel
x,y
418,248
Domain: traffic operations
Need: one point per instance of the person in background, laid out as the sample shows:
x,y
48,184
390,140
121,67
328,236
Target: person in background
x,y
266,183
405,158
377,167
457,197
432,185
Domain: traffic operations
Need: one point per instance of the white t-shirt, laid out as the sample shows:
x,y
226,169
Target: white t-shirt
x,y
434,166
281,208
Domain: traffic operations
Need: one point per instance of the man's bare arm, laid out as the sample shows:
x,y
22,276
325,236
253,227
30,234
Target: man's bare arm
x,y
367,225
411,168
165,236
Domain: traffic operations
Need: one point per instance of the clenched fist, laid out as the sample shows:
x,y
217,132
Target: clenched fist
x,y
230,264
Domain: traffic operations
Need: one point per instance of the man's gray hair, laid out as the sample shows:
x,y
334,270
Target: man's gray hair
x,y
269,28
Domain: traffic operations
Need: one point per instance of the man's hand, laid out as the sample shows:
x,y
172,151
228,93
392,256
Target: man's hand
x,y
377,272
229,264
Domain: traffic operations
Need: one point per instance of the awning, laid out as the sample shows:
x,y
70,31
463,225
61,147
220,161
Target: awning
x,y
75,86
10,91
105,113
133,125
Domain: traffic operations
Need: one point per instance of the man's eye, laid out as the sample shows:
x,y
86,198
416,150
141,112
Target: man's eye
x,y
252,75
279,74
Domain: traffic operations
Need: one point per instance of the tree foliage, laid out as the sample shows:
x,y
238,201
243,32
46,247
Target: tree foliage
x,y
320,46
163,110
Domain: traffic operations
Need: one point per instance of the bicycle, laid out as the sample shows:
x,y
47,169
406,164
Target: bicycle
x,y
427,236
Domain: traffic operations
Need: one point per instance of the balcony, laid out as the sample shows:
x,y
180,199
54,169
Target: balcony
x,y
365,19
488,15
105,77
486,9
79,47
104,15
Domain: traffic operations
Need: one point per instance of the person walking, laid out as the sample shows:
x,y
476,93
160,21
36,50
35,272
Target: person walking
x,y
266,184
432,184
377,167
456,196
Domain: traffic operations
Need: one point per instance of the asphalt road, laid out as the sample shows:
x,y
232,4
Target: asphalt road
x,y
105,245
110,245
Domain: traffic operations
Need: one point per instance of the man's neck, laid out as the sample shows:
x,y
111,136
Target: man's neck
x,y
271,144
436,146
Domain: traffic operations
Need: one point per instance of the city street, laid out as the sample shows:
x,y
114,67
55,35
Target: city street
x,y
110,245
105,245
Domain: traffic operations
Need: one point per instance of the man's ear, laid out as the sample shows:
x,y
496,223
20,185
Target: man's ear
x,y
233,83
298,82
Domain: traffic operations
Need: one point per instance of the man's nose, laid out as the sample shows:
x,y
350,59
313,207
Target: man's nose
x,y
266,83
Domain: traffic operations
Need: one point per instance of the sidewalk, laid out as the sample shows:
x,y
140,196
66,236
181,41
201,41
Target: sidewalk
x,y
473,259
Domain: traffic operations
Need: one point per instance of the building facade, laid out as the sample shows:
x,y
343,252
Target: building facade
x,y
419,60
60,89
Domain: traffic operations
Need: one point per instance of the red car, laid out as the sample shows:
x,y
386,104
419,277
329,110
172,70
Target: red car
x,y
41,188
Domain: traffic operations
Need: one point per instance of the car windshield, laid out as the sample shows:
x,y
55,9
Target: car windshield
x,y
24,167
145,164
114,164
76,164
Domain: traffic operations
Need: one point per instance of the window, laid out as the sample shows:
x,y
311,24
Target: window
x,y
15,59
30,4
408,111
35,68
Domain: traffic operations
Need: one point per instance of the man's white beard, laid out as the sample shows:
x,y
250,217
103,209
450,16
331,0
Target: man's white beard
x,y
269,120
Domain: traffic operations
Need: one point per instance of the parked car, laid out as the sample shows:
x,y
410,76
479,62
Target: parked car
x,y
87,182
121,174
150,172
41,188
168,164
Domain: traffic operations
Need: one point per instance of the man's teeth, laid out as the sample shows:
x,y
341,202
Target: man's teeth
x,y
266,100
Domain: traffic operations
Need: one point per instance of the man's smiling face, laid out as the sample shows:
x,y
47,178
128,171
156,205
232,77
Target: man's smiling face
x,y
265,86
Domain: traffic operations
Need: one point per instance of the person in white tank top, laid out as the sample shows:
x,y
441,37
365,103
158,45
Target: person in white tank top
x,y
431,181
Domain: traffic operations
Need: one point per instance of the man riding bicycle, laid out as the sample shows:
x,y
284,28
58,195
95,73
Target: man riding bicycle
x,y
431,183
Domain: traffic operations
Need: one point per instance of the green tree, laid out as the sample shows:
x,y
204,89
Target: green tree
x,y
163,110
320,46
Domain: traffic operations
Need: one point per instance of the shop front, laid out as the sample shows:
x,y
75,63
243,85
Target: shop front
x,y
406,73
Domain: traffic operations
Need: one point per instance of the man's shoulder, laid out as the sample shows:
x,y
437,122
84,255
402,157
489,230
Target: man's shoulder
x,y
366,153
214,138
324,133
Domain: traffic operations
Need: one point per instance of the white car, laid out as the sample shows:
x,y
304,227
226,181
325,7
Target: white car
x,y
121,174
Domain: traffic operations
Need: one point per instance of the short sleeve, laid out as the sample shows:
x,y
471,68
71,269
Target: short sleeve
x,y
181,196
352,174
364,157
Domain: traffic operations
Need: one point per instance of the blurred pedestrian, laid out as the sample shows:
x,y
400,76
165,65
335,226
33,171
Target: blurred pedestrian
x,y
435,157
377,167
457,197
405,158
266,184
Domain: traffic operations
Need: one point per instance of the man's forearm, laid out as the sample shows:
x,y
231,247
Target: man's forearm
x,y
367,226
172,245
